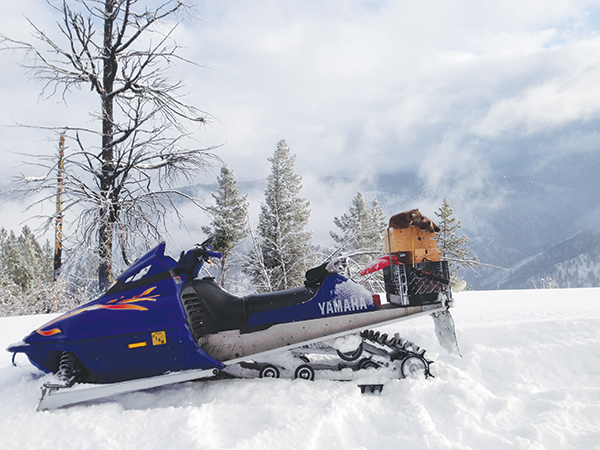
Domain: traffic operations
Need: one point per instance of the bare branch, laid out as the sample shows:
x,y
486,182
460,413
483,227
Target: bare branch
x,y
123,185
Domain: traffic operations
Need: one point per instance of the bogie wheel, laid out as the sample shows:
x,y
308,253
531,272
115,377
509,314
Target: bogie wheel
x,y
367,363
413,365
269,371
305,372
353,355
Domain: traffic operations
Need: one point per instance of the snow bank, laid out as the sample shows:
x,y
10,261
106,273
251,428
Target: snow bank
x,y
529,379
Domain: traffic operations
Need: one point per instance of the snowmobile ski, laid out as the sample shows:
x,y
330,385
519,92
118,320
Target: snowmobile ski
x,y
57,396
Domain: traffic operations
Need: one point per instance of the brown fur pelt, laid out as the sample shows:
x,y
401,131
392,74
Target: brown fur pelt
x,y
413,217
404,219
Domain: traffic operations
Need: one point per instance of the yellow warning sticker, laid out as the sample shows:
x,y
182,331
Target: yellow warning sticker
x,y
159,338
137,345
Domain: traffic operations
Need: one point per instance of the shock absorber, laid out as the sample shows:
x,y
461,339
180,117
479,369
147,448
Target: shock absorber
x,y
67,370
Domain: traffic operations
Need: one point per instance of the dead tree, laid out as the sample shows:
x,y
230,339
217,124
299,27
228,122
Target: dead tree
x,y
119,177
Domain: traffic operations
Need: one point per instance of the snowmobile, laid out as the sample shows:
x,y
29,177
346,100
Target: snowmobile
x,y
160,324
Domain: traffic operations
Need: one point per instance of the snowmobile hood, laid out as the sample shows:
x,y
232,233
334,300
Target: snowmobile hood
x,y
127,312
145,296
148,267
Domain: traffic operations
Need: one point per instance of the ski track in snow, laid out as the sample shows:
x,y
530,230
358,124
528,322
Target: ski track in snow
x,y
529,379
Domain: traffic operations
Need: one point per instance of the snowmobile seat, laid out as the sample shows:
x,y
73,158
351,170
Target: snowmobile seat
x,y
276,300
210,309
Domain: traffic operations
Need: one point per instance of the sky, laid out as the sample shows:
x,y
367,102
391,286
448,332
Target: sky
x,y
460,93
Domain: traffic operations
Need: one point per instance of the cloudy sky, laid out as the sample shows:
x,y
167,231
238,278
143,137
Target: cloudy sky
x,y
458,92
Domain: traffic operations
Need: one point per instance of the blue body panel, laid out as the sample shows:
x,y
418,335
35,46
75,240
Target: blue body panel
x,y
152,263
139,328
136,310
336,296
134,333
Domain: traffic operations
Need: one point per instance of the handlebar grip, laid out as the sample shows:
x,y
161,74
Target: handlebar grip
x,y
214,254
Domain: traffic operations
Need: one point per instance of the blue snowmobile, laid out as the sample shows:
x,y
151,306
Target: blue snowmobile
x,y
160,324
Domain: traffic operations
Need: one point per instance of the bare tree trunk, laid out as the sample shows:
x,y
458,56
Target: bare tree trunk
x,y
58,225
223,268
107,213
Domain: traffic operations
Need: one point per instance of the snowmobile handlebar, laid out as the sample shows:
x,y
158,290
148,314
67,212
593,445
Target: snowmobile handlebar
x,y
202,253
191,262
217,255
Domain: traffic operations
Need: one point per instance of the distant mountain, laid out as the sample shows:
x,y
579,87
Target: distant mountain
x,y
572,263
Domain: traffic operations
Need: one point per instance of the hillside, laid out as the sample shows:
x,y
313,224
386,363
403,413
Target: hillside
x,y
572,263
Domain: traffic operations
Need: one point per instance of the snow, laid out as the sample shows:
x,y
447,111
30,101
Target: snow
x,y
529,379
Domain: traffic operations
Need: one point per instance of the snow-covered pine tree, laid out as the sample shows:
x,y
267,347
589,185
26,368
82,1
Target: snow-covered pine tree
x,y
284,246
361,233
361,229
24,260
230,223
10,292
452,246
26,269
253,264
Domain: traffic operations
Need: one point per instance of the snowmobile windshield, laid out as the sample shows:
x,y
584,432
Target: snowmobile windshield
x,y
151,267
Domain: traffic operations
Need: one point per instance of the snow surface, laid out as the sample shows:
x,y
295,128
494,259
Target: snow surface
x,y
529,379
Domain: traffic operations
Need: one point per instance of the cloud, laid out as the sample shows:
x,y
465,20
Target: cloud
x,y
570,94
451,90
363,86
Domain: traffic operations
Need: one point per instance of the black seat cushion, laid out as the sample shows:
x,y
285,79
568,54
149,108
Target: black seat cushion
x,y
210,309
276,300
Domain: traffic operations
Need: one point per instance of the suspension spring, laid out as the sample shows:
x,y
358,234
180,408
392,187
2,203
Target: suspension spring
x,y
67,372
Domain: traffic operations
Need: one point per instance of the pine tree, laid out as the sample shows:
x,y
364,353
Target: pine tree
x,y
452,246
26,273
24,260
362,238
230,223
362,229
284,246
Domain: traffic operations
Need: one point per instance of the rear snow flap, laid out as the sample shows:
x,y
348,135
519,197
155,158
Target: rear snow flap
x,y
445,332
